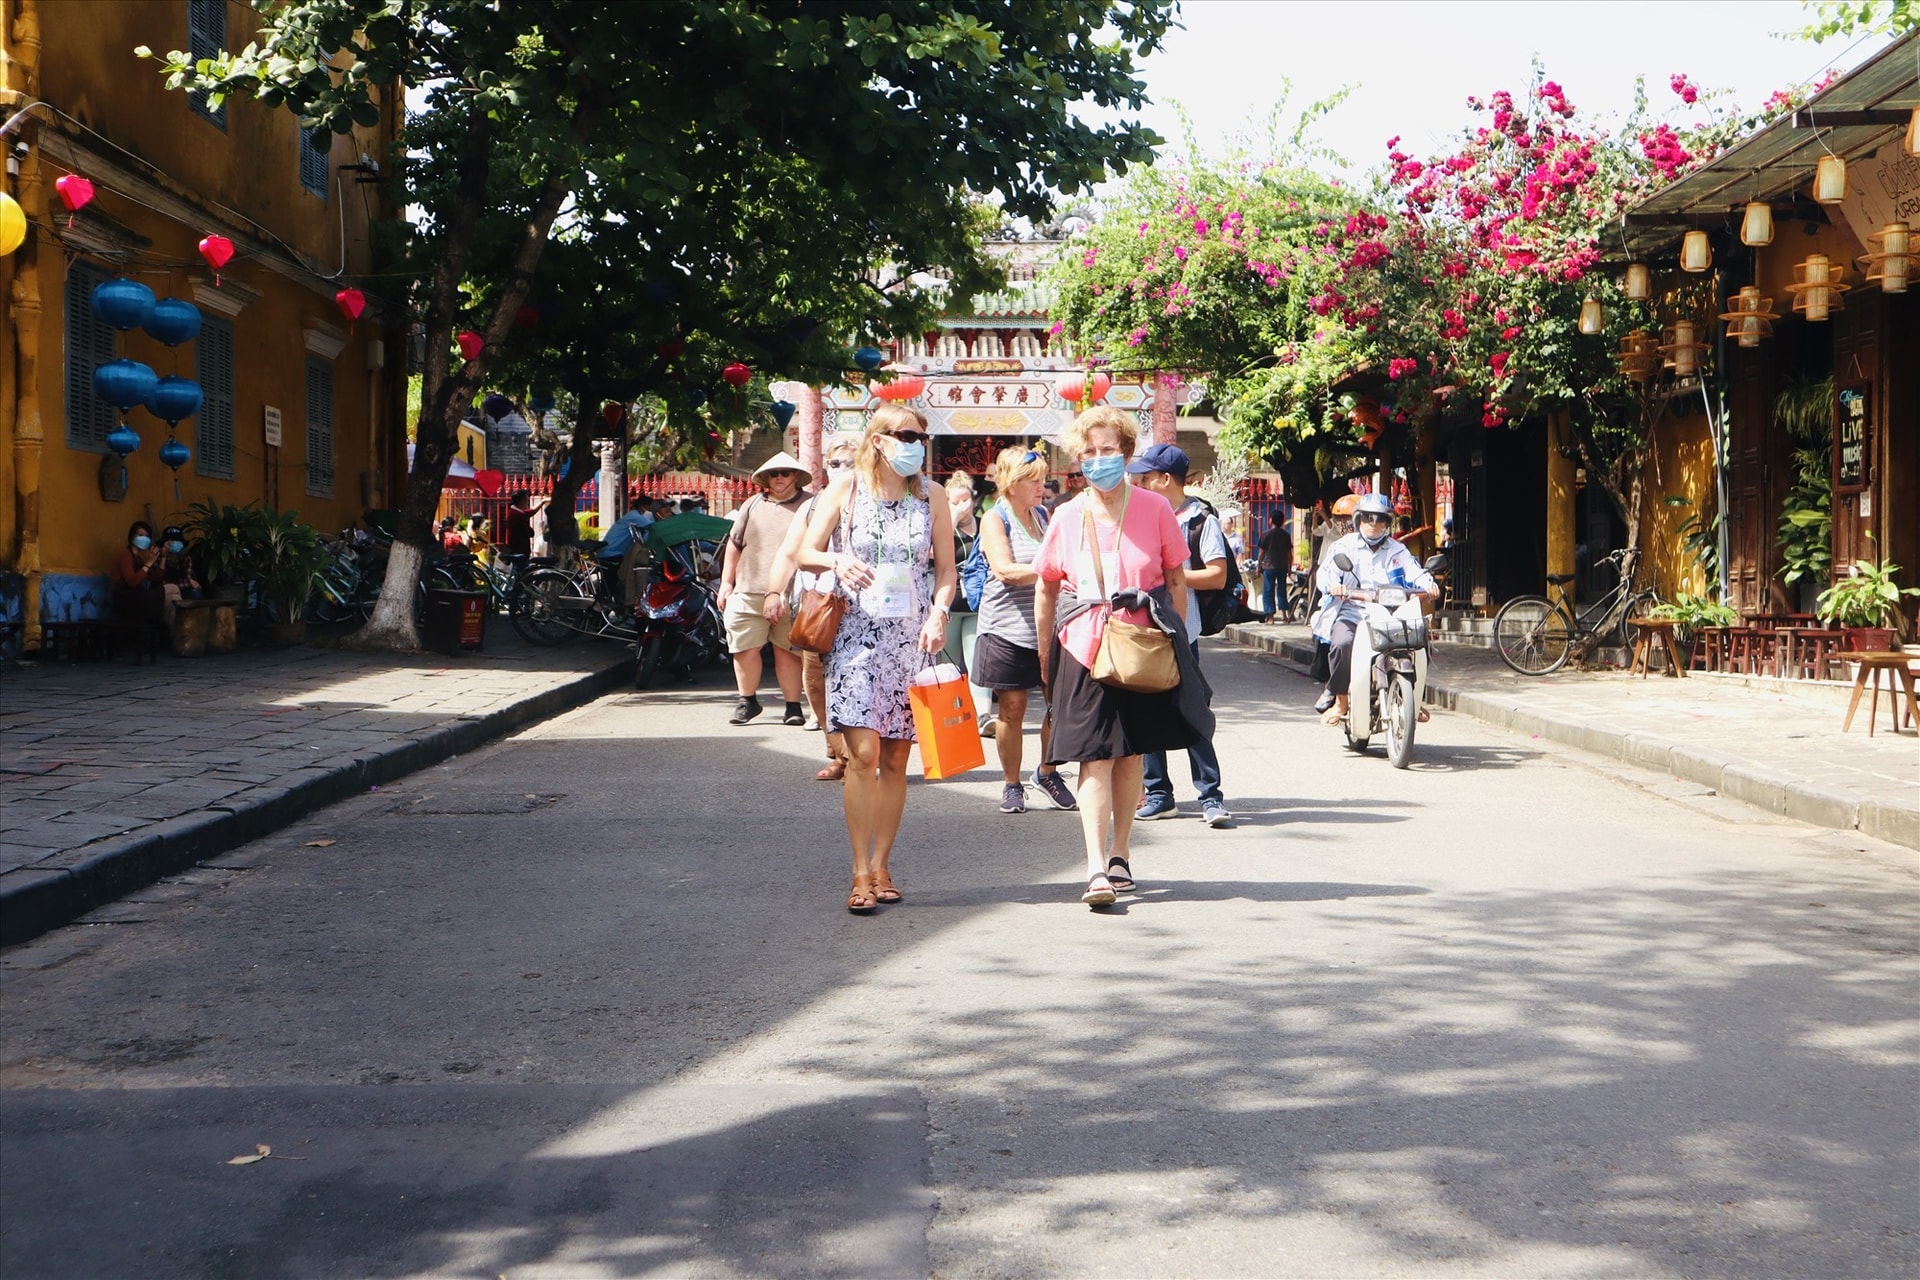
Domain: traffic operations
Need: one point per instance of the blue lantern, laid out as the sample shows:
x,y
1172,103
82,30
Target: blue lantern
x,y
174,398
174,454
123,440
657,292
540,402
173,321
123,303
123,383
783,412
869,358
696,396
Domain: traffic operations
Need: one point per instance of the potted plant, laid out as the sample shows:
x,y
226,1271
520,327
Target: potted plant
x,y
225,539
1866,605
286,563
1692,613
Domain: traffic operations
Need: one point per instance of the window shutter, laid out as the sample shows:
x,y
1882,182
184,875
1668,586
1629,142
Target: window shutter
x,y
213,425
206,37
319,428
90,343
315,151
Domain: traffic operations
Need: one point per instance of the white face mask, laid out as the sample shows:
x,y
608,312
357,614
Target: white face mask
x,y
907,458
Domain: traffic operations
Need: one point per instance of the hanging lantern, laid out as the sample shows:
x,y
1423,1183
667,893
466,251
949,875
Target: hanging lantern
x,y
696,396
1696,252
1082,388
736,375
1638,285
13,224
783,412
1682,349
75,193
172,321
470,344
540,402
352,303
217,250
173,399
1892,262
672,349
905,386
1830,180
123,383
869,358
612,413
1749,316
123,440
1817,286
174,454
1639,355
1592,321
657,291
527,317
1756,225
123,303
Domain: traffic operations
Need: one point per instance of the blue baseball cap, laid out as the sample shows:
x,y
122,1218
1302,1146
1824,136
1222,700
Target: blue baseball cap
x,y
1160,457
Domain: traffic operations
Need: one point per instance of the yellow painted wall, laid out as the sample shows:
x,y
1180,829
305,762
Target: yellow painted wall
x,y
1681,465
88,70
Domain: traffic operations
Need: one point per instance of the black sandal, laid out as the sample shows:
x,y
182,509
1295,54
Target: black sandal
x,y
1122,880
1098,895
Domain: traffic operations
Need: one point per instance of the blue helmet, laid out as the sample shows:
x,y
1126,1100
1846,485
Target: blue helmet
x,y
1374,504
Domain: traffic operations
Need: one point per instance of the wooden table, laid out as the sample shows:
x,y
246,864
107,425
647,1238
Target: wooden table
x,y
1645,631
1899,667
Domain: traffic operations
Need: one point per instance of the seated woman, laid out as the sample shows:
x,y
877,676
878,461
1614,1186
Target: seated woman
x,y
176,569
137,577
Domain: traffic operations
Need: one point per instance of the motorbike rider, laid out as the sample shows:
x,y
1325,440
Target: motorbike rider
x,y
1379,560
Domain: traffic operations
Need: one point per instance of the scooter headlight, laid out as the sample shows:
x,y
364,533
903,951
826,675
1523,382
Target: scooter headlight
x,y
1391,597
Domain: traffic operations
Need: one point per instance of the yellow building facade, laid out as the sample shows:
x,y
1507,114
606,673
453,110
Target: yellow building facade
x,y
302,409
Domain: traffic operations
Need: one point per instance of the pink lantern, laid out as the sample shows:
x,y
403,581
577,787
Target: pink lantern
x,y
75,191
1077,388
217,250
351,303
736,374
904,387
470,344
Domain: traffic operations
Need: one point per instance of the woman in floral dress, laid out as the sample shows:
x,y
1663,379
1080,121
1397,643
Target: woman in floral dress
x,y
891,552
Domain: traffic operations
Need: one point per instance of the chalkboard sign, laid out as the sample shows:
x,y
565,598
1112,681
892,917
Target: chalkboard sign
x,y
1852,440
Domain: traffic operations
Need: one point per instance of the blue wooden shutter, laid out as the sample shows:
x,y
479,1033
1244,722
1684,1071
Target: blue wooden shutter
x,y
315,148
90,343
213,425
319,428
206,37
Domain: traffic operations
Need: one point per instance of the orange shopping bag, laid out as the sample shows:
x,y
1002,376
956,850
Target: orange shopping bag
x,y
944,723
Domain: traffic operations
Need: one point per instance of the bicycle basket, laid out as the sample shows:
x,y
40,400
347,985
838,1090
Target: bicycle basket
x,y
1400,633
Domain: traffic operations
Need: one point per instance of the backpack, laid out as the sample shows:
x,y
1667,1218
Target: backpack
x,y
973,573
1224,606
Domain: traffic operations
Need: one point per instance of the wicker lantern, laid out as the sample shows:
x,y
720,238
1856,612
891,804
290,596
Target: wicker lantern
x,y
1892,262
1592,319
1756,226
1817,286
1639,282
1696,252
1830,180
1749,316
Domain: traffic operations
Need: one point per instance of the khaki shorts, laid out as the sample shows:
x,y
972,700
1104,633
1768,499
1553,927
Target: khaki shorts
x,y
748,628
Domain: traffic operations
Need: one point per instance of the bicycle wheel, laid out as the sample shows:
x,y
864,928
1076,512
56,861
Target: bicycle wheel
x,y
1532,634
1640,606
538,612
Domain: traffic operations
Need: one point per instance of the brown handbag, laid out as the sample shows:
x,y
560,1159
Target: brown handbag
x,y
1131,657
816,622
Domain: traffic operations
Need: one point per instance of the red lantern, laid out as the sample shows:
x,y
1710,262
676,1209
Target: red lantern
x,y
351,303
217,250
470,344
1078,388
527,317
672,349
904,387
736,374
75,191
613,413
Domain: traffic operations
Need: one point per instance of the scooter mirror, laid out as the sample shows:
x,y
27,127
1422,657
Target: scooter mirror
x,y
1436,563
1343,562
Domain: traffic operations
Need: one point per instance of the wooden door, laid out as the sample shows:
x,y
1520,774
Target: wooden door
x,y
1751,517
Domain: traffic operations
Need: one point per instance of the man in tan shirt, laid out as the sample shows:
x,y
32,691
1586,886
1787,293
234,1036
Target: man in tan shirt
x,y
758,530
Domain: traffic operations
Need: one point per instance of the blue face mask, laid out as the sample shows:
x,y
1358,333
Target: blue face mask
x,y
141,542
176,546
907,458
1104,472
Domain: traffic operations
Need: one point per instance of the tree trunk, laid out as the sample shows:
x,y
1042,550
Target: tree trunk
x,y
447,393
562,529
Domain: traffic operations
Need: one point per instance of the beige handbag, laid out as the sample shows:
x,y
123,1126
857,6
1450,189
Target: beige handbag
x,y
1131,657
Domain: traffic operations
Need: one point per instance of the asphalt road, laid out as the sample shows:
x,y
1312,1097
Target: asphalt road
x,y
588,1003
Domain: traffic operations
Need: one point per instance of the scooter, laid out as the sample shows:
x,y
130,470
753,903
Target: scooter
x,y
1389,680
678,627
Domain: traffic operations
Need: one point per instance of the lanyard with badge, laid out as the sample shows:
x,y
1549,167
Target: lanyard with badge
x,y
890,594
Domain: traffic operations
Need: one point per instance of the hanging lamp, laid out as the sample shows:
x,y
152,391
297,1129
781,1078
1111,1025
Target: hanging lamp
x,y
1756,225
1892,261
1749,316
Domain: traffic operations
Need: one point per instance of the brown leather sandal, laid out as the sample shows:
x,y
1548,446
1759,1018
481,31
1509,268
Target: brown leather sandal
x,y
884,890
861,900
835,770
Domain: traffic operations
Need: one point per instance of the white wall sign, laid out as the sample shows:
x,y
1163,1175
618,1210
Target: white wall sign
x,y
1883,188
270,417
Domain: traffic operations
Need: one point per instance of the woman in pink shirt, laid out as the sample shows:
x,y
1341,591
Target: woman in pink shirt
x,y
1106,730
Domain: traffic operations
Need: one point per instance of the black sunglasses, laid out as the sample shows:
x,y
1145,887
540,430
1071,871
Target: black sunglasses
x,y
1372,517
908,437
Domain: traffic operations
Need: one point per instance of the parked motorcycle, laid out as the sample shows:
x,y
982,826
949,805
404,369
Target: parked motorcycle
x,y
679,629
1389,680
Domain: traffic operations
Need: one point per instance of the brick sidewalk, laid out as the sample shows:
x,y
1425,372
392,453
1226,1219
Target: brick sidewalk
x,y
112,775
1766,743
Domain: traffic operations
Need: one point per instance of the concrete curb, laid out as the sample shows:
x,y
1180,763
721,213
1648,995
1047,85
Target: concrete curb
x,y
1724,773
37,899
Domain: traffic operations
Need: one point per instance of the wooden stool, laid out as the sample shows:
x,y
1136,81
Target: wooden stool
x,y
1709,649
1899,677
1645,631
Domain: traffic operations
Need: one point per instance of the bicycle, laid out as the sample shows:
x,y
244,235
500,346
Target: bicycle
x,y
1536,635
499,582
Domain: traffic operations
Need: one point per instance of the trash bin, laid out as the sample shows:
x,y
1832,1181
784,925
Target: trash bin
x,y
455,621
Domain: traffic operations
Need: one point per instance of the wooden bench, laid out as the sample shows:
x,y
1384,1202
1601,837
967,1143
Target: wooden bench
x,y
1899,669
96,640
1650,631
